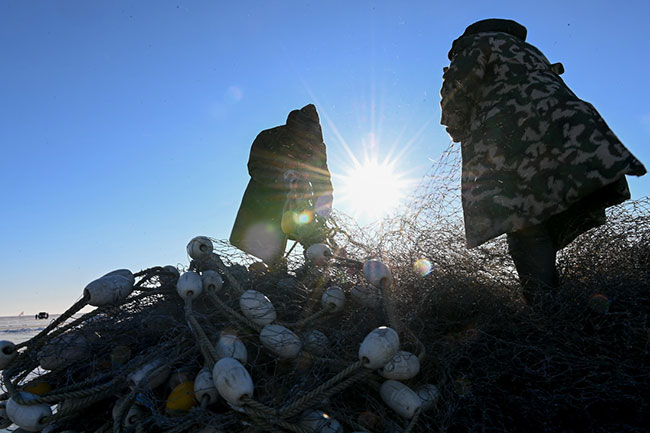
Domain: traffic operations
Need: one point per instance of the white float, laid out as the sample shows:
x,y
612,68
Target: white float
x,y
379,347
204,387
333,298
317,421
200,247
404,365
400,398
377,273
172,270
4,419
132,416
318,254
232,381
156,371
230,346
63,351
212,281
28,417
112,288
281,341
316,342
429,394
189,285
7,353
257,307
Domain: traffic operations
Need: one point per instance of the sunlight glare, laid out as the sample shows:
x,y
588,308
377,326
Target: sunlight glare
x,y
373,188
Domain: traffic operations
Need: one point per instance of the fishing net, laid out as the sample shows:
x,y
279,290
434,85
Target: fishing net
x,y
578,362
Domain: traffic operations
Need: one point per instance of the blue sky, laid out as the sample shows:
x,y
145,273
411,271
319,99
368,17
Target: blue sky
x,y
125,127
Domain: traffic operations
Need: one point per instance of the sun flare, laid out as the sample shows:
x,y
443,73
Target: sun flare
x,y
372,188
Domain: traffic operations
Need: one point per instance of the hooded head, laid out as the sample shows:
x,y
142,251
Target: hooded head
x,y
491,25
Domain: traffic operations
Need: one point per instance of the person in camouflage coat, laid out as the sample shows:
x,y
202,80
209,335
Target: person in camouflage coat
x,y
538,163
278,156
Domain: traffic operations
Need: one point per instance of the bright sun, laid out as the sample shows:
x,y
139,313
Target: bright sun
x,y
372,188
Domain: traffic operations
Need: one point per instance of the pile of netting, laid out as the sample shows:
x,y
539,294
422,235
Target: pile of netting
x,y
472,355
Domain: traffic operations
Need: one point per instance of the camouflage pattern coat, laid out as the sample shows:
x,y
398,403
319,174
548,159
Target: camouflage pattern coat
x,y
297,146
531,150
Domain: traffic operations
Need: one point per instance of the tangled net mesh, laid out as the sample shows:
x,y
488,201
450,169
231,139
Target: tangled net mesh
x,y
578,363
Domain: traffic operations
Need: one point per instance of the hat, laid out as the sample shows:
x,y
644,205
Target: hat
x,y
492,25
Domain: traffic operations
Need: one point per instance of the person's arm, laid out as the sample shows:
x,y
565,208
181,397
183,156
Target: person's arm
x,y
461,86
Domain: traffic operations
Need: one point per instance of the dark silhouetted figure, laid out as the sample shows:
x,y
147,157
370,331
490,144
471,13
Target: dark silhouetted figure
x,y
289,176
538,163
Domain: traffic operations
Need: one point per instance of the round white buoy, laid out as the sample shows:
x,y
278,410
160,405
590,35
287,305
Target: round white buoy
x,y
28,417
7,353
333,298
316,342
281,341
232,380
212,281
189,285
317,421
403,366
4,419
379,347
318,254
112,288
429,394
230,346
63,351
204,386
200,247
133,415
157,372
400,398
257,307
377,273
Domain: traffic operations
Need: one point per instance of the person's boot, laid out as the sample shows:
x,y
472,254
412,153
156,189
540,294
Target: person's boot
x,y
533,254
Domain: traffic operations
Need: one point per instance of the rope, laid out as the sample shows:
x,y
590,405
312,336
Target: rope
x,y
414,421
296,406
204,341
235,315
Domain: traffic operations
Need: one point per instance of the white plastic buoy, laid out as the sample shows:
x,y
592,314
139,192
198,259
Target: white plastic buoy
x,y
429,394
316,342
318,254
365,294
189,285
204,386
212,281
403,366
317,421
379,347
112,288
4,419
333,298
7,353
28,417
132,416
377,273
63,351
400,398
230,346
232,381
281,341
156,371
200,247
257,307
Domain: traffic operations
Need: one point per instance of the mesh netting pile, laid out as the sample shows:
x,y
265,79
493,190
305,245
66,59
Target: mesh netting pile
x,y
579,361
